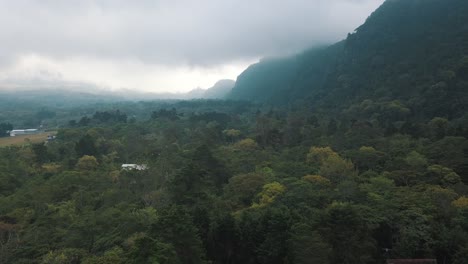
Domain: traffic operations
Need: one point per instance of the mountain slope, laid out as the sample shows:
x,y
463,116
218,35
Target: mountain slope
x,y
219,90
265,78
409,50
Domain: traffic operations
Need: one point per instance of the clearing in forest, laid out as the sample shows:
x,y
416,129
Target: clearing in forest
x,y
25,139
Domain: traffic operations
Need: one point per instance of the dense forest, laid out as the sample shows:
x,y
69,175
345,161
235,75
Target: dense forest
x,y
241,184
348,154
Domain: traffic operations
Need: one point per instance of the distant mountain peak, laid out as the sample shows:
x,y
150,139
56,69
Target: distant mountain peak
x,y
218,91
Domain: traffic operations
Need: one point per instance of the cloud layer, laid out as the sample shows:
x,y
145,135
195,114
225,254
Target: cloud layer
x,y
134,44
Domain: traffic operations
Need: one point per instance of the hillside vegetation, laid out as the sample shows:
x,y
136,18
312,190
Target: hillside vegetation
x,y
411,51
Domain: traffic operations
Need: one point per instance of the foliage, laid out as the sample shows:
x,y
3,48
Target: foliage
x,y
87,163
4,128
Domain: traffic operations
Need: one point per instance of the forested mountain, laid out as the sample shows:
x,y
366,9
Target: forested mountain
x,y
219,90
349,154
266,81
408,50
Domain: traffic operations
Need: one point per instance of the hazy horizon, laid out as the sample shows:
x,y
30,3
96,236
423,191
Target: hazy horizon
x,y
160,46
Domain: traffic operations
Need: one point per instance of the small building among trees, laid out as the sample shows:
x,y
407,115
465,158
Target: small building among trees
x,y
139,167
411,261
30,131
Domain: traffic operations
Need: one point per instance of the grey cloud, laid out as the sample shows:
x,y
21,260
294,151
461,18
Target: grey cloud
x,y
174,32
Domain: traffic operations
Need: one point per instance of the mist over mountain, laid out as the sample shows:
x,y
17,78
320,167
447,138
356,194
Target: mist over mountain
x,y
218,91
408,50
59,94
162,46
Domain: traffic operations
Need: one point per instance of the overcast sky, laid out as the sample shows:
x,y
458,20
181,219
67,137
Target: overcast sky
x,y
160,45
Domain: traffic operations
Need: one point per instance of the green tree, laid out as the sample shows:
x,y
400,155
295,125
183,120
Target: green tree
x,y
175,227
306,246
40,152
4,128
86,146
438,127
349,234
242,188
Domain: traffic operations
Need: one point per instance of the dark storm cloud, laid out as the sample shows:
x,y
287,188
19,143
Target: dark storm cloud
x,y
174,32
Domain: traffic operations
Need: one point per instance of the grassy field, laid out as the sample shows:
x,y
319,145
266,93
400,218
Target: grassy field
x,y
25,139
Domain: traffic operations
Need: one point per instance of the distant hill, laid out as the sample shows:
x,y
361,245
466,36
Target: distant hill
x,y
10,99
411,51
67,97
220,90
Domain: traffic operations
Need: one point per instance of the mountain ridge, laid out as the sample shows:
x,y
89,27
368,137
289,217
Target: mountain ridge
x,y
404,50
79,95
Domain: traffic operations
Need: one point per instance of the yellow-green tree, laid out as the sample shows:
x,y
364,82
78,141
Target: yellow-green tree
x,y
269,193
86,163
331,164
